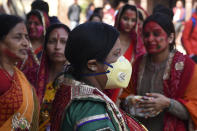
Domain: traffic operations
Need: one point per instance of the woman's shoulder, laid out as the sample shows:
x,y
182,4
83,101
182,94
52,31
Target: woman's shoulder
x,y
182,57
77,90
86,106
87,115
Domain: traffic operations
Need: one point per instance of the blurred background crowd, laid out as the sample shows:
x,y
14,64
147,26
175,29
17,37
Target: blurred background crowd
x,y
60,8
147,33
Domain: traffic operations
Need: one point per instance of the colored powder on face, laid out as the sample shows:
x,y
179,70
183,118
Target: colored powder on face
x,y
158,46
57,35
40,31
10,54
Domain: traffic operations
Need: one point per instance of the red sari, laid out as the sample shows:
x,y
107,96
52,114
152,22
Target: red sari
x,y
5,81
19,99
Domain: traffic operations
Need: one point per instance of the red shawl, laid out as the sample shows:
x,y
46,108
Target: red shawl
x,y
5,81
175,87
11,100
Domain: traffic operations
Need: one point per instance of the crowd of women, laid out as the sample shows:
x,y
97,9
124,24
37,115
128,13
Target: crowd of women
x,y
129,77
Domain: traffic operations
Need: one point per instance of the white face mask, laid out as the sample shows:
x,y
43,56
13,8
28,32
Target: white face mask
x,y
119,73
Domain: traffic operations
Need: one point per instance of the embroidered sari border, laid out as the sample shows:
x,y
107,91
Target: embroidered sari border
x,y
91,119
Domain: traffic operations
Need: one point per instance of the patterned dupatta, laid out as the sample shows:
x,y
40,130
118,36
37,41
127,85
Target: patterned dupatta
x,y
177,76
73,90
18,105
29,66
42,77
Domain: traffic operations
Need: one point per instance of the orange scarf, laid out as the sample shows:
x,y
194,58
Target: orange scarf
x,y
19,95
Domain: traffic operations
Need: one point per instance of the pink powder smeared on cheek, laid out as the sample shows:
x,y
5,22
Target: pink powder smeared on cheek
x,y
40,31
122,26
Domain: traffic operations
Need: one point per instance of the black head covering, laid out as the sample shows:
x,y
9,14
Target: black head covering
x,y
162,9
40,5
91,40
165,22
7,22
94,15
54,20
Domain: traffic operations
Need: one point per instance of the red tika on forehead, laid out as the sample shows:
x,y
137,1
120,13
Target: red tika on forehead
x,y
57,34
153,25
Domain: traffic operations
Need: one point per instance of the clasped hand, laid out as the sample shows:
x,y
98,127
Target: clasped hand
x,y
152,104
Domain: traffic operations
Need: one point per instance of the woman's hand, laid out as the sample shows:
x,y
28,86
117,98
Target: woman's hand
x,y
130,100
153,104
124,105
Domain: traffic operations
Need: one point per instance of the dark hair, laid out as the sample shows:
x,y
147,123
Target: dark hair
x,y
97,11
95,15
7,23
54,20
36,13
40,5
140,16
122,11
165,22
162,9
51,28
88,8
91,40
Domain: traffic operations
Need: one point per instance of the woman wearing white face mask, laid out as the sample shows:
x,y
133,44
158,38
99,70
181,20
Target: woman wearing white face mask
x,y
94,50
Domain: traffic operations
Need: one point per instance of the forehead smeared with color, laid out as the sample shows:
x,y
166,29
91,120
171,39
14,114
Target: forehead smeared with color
x,y
163,20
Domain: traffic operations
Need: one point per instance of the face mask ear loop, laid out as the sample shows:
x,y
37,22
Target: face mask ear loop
x,y
108,64
95,74
102,73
